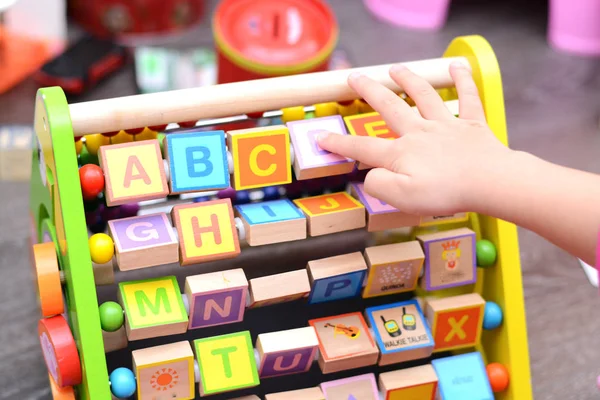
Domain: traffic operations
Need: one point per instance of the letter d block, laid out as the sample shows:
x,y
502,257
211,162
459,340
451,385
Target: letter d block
x,y
226,363
286,352
144,241
153,308
331,213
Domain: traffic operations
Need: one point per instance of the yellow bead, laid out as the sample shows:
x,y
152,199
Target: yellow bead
x,y
364,107
292,114
147,134
102,248
351,109
93,143
326,109
78,146
121,137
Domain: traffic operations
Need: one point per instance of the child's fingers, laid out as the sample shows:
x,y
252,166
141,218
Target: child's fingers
x,y
469,102
387,186
375,152
428,101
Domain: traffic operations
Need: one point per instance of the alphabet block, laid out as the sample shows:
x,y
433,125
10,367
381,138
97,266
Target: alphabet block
x,y
362,387
272,222
279,288
301,394
226,363
216,298
449,259
310,161
462,377
153,308
393,268
456,322
444,219
144,241
380,215
336,278
133,172
331,213
261,157
369,124
416,383
197,161
206,231
344,343
165,372
286,352
400,331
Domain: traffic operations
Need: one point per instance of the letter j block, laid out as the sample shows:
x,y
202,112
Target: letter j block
x,y
331,213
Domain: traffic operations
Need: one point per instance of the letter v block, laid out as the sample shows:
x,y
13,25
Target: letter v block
x,y
216,298
286,352
144,241
133,172
153,308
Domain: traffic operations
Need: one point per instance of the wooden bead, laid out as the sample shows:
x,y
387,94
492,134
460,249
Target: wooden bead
x,y
92,181
111,316
498,376
102,248
93,143
326,109
146,134
48,279
78,146
292,114
134,131
60,351
121,137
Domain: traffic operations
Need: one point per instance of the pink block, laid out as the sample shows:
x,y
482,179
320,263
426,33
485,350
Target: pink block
x,y
418,14
574,26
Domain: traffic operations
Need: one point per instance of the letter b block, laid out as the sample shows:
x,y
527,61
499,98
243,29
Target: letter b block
x,y
286,352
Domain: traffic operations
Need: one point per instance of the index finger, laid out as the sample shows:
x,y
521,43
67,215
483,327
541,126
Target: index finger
x,y
375,152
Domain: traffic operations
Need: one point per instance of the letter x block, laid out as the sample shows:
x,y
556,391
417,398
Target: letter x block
x,y
286,352
331,213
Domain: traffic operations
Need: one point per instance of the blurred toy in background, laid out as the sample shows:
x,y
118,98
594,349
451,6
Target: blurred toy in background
x,y
15,152
574,26
422,14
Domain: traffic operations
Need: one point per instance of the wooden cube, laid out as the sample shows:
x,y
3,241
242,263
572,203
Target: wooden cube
x,y
462,376
310,161
216,298
456,322
444,219
206,231
301,394
164,372
400,331
104,274
344,343
393,268
133,172
144,241
380,215
272,222
331,213
116,340
226,363
286,352
450,259
153,308
416,383
362,387
279,288
369,124
261,157
336,278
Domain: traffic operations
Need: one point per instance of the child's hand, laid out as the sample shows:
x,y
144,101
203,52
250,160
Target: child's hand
x,y
439,162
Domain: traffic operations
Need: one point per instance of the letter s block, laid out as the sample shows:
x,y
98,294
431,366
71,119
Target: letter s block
x,y
261,157
286,352
331,213
144,241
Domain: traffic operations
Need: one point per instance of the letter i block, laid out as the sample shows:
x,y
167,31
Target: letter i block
x,y
456,322
216,298
336,278
144,241
416,383
331,213
462,377
206,231
226,363
362,387
286,352
369,124
133,172
197,161
153,308
261,157
165,372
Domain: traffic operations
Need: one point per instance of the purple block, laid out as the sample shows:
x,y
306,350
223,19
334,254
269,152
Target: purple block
x,y
139,232
287,362
217,308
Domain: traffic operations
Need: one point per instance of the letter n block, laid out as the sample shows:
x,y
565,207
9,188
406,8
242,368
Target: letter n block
x,y
206,231
336,278
153,308
369,124
197,161
226,363
133,172
416,383
216,298
331,213
286,352
144,241
261,157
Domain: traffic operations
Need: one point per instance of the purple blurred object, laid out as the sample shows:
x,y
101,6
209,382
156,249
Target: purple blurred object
x,y
294,190
92,217
228,193
574,26
129,210
110,213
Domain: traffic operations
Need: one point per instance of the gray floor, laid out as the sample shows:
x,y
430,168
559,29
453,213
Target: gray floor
x,y
553,111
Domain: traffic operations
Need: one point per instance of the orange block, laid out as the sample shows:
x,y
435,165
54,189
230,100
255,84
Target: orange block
x,y
331,213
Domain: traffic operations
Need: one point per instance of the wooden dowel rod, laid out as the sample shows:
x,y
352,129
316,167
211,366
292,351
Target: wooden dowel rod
x,y
240,98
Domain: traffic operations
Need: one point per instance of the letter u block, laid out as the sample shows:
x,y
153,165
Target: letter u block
x,y
153,308
331,213
144,241
286,352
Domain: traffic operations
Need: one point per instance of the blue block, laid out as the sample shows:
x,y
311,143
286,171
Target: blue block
x,y
269,211
197,161
337,287
463,377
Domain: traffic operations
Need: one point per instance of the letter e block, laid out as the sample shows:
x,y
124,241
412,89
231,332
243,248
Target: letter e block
x,y
462,377
369,124
336,278
279,288
331,213
362,387
286,352
416,383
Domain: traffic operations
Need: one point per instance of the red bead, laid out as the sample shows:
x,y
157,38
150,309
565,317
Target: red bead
x,y
92,181
346,102
134,131
255,115
111,134
187,124
158,128
78,138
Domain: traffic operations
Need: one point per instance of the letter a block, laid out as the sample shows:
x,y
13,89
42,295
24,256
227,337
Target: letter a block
x,y
286,352
362,387
144,241
462,377
226,363
165,372
206,231
261,157
197,161
416,383
216,298
133,172
153,308
369,124
331,213
336,278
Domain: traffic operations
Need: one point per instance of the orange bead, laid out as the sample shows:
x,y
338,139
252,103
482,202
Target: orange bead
x,y
498,376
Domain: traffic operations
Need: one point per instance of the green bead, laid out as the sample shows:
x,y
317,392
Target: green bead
x,y
486,253
160,138
111,316
86,158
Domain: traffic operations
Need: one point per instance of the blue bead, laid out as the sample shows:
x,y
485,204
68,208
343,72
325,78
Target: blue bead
x,y
270,193
122,383
492,316
201,199
242,197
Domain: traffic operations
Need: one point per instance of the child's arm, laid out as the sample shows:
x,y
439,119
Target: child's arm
x,y
442,164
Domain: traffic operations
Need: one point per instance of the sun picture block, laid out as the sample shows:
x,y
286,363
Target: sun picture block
x,y
301,394
336,278
286,352
331,213
279,288
416,383
369,125
362,387
463,376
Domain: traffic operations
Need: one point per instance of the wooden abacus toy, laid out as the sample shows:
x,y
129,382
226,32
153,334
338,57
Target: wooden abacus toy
x,y
435,308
